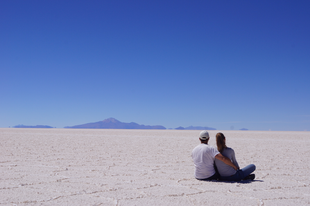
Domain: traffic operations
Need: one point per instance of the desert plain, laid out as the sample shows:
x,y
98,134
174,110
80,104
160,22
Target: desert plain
x,y
147,167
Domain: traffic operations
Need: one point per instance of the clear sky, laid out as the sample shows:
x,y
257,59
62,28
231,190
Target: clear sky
x,y
222,64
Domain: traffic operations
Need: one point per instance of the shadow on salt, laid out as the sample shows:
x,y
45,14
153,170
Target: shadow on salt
x,y
240,182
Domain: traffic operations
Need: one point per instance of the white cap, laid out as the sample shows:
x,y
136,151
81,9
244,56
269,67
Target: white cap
x,y
204,135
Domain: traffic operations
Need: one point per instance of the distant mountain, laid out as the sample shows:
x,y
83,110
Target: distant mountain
x,y
180,128
195,128
244,129
112,123
37,126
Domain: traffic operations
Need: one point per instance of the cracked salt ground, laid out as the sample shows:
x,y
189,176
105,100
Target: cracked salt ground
x,y
146,167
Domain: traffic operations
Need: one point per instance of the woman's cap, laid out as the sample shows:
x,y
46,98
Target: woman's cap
x,y
204,135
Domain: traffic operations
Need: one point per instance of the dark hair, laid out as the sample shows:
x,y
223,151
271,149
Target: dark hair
x,y
220,142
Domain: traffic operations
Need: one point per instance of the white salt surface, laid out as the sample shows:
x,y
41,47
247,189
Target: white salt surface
x,y
146,167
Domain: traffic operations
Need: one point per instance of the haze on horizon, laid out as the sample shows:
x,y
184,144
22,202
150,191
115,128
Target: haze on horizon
x,y
226,65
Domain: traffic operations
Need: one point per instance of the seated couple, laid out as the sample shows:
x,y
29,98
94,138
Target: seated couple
x,y
205,156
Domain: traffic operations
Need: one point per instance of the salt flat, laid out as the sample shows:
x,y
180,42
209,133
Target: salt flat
x,y
146,167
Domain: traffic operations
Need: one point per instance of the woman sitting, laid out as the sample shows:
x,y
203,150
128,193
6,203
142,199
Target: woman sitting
x,y
226,172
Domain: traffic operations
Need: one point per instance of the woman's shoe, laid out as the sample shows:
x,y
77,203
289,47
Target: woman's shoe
x,y
250,177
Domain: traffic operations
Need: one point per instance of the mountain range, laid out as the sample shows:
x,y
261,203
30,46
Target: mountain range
x,y
112,123
195,128
37,126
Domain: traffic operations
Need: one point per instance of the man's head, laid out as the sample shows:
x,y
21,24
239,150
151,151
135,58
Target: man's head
x,y
204,136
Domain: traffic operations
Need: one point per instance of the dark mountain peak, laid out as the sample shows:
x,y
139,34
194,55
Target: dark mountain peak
x,y
111,120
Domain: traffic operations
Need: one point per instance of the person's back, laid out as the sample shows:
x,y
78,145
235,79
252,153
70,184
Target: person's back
x,y
224,169
227,173
203,156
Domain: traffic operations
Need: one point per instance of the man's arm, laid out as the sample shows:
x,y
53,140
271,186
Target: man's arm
x,y
225,160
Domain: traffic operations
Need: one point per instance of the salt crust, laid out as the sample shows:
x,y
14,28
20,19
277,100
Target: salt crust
x,y
146,167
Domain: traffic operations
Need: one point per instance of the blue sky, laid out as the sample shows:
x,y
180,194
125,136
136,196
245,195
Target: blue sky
x,y
222,64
